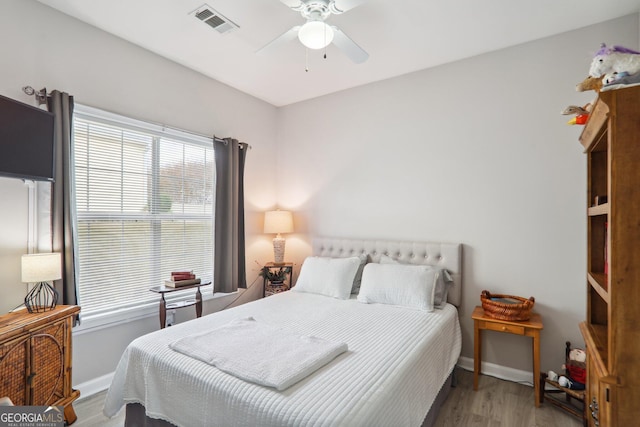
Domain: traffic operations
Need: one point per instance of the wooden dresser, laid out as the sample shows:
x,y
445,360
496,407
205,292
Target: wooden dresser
x,y
611,332
35,358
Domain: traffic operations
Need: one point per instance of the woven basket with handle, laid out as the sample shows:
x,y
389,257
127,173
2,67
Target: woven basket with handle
x,y
494,307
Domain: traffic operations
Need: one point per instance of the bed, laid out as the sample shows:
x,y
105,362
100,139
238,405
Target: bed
x,y
396,371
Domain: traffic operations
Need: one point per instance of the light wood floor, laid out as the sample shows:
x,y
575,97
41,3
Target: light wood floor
x,y
497,403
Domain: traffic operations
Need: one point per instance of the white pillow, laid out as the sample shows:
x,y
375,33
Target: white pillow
x,y
442,285
358,279
409,286
332,277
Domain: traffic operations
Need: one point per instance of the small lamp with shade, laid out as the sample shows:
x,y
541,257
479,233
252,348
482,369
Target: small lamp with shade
x,y
276,222
40,269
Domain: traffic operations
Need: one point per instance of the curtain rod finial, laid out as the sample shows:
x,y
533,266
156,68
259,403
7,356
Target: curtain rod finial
x,y
41,95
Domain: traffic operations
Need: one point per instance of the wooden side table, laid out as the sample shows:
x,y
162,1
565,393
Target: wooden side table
x,y
530,328
162,308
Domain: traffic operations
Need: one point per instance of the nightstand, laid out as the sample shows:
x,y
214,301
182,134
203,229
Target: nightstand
x,y
164,306
530,328
269,288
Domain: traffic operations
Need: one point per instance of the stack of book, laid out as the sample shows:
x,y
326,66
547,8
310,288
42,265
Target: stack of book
x,y
182,278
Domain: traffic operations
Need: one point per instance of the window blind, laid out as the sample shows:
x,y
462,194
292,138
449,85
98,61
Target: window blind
x,y
144,207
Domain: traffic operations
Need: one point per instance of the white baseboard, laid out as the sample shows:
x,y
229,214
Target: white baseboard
x,y
96,385
499,371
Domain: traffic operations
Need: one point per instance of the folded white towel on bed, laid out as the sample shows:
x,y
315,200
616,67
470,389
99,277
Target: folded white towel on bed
x,y
260,353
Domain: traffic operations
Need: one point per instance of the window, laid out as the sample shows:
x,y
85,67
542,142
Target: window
x,y
144,207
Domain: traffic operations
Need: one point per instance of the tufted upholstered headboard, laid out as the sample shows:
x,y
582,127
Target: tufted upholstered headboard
x,y
443,255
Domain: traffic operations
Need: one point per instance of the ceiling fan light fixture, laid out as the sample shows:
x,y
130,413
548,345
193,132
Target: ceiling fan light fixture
x,y
315,35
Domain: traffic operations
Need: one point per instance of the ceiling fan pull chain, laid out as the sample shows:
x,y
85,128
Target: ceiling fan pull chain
x,y
325,52
306,60
325,41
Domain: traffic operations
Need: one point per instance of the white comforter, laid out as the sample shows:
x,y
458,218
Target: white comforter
x,y
396,363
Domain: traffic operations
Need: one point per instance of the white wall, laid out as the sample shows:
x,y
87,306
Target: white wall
x,y
13,243
44,48
473,152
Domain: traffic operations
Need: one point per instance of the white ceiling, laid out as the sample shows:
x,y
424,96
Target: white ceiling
x,y
400,36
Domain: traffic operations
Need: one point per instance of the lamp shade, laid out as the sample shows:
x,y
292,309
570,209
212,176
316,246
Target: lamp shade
x,y
276,222
315,34
41,267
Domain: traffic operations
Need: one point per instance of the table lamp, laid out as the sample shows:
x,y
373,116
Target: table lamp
x,y
278,222
40,269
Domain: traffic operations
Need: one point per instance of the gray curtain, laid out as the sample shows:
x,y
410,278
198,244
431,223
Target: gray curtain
x,y
62,209
229,272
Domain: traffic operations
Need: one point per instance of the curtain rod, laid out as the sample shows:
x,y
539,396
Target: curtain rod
x,y
222,140
40,95
41,98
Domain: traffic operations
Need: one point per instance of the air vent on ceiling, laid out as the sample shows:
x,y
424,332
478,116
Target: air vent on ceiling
x,y
214,19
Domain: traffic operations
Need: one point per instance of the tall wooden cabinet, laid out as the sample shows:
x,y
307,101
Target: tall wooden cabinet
x,y
35,358
611,139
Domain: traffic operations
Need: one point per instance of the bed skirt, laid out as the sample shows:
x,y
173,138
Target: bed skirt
x,y
136,416
432,415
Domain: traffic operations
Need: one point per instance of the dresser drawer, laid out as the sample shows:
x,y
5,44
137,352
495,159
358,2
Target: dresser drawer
x,y
501,327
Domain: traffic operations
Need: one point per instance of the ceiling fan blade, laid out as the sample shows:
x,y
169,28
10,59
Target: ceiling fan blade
x,y
293,4
341,6
349,47
281,40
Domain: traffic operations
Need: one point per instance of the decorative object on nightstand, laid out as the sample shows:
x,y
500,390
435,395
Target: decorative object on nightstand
x,y
275,275
506,307
276,222
40,269
276,278
529,328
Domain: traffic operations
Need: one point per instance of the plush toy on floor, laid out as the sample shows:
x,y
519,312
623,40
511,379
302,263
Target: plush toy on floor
x,y
565,391
576,374
577,355
573,385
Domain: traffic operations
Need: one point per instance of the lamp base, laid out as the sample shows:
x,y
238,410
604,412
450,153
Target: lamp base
x,y
43,297
278,250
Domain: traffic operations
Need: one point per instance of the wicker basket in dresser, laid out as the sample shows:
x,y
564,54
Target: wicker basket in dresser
x,y
35,358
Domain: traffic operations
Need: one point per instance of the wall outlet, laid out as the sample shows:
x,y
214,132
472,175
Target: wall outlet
x,y
171,318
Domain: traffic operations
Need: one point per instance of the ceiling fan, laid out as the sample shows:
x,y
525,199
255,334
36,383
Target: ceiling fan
x,y
317,34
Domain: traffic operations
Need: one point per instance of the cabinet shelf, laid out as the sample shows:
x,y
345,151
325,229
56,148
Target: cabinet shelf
x,y
602,209
599,282
181,304
596,339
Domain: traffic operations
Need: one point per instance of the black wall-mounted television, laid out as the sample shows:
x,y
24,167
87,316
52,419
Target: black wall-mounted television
x,y
26,141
